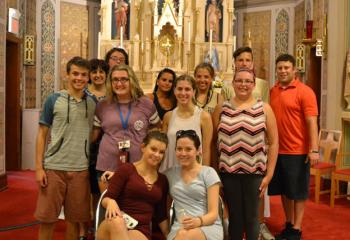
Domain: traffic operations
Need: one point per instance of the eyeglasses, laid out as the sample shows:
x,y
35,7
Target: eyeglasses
x,y
117,59
243,81
121,80
182,133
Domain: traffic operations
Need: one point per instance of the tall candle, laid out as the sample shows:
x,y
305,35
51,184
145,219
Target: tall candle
x,y
189,35
121,36
210,42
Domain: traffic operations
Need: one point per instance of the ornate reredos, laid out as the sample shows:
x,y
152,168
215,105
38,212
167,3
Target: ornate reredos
x,y
166,33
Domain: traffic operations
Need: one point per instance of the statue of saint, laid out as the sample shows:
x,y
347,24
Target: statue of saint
x,y
121,16
213,20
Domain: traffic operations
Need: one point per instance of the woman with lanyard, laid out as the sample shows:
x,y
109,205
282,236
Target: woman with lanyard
x,y
206,98
125,117
163,93
186,116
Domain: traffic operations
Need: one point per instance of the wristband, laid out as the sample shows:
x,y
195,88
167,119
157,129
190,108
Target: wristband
x,y
313,151
200,219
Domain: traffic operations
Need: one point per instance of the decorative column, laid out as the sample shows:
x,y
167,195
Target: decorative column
x,y
147,57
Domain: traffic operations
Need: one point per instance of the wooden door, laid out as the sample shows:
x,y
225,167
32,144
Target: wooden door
x,y
314,74
12,104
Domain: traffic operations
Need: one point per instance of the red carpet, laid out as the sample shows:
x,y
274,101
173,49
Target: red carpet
x,y
18,204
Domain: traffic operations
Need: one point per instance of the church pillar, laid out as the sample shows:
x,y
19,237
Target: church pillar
x,y
147,57
136,53
155,55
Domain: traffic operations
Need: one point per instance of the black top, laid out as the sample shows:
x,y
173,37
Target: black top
x,y
161,111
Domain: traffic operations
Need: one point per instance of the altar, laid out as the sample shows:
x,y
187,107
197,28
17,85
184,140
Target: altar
x,y
169,33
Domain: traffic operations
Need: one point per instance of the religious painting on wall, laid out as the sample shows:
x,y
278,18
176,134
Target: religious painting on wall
x,y
120,19
161,5
213,20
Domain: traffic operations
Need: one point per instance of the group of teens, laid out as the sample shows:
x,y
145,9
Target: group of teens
x,y
149,148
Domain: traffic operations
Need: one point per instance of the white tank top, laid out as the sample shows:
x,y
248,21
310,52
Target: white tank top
x,y
177,123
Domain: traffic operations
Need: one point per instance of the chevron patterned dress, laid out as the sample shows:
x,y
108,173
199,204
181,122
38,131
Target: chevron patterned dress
x,y
242,139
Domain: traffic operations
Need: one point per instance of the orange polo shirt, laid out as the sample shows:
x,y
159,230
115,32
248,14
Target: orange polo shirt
x,y
291,106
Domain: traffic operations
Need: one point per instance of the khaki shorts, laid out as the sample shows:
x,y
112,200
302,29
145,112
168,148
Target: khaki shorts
x,y
68,189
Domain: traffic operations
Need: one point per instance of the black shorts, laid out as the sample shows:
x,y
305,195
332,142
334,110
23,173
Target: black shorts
x,y
291,177
93,180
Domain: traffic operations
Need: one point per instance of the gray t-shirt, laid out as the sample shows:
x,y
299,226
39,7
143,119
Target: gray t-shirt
x,y
70,122
192,198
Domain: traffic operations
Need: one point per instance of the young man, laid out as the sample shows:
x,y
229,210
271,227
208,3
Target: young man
x,y
295,107
62,172
243,58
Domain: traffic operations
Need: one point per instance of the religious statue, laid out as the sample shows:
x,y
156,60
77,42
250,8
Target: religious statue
x,y
213,20
121,16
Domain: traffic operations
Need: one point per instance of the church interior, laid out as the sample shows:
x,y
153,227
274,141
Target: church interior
x,y
38,37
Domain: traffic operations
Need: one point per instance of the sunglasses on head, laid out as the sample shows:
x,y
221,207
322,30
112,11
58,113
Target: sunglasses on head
x,y
182,133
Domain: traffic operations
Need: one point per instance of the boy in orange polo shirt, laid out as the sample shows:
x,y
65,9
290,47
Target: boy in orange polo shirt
x,y
295,107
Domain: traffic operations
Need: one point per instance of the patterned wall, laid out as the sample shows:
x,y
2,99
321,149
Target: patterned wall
x,y
318,18
47,49
30,71
282,32
259,25
74,34
2,83
299,23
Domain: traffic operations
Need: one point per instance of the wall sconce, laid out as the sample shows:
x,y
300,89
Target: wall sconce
x,y
300,57
29,48
319,47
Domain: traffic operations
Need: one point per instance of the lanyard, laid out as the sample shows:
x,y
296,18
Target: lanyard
x,y
124,122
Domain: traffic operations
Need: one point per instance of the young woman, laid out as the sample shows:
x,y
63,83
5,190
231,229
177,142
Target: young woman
x,y
97,90
247,144
138,190
116,56
195,191
206,98
163,92
125,117
186,116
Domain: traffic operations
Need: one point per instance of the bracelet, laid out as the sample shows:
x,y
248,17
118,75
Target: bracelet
x,y
200,219
313,151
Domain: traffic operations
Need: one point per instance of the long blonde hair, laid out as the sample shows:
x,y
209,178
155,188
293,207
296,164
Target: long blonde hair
x,y
135,90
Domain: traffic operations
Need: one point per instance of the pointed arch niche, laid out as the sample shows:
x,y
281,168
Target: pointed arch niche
x,y
282,33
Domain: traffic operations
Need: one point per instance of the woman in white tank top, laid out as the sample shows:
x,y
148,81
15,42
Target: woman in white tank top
x,y
184,117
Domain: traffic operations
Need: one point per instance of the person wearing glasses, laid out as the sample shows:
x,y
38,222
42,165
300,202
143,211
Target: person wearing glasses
x,y
185,116
206,98
194,189
116,56
246,139
125,117
163,92
138,190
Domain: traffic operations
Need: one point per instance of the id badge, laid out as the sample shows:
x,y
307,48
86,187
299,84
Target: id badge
x,y
124,145
124,156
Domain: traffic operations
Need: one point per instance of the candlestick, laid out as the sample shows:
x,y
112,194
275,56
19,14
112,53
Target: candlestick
x,y
189,35
210,42
121,36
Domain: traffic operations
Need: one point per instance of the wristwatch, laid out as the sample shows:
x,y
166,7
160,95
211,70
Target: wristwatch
x,y
314,151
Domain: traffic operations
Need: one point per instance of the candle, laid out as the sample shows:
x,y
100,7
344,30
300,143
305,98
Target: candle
x,y
249,39
141,30
234,43
98,44
189,35
121,36
210,42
